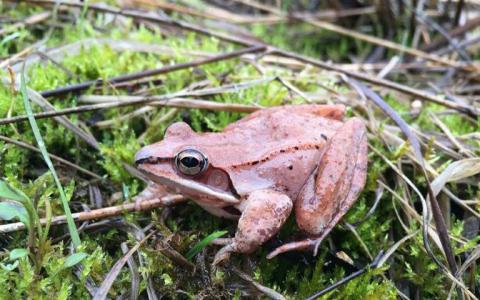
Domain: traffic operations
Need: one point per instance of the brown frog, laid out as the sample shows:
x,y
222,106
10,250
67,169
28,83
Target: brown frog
x,y
301,157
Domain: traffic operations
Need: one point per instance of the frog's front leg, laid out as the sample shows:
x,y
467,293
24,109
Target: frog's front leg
x,y
156,191
333,187
263,213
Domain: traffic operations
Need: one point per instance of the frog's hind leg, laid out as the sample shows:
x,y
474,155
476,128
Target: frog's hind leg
x,y
263,213
332,188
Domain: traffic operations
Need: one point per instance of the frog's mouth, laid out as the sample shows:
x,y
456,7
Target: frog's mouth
x,y
151,167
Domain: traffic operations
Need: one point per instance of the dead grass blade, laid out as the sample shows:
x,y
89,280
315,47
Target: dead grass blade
x,y
135,275
102,291
36,98
456,171
52,156
271,293
394,248
46,106
471,259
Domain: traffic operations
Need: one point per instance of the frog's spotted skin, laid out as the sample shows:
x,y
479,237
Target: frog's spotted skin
x,y
300,156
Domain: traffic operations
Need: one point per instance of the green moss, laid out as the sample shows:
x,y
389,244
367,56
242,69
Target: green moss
x,y
57,280
118,147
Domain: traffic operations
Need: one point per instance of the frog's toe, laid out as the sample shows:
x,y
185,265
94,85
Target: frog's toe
x,y
223,254
295,246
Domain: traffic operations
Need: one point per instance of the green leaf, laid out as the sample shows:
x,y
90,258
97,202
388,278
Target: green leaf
x,y
203,243
72,228
11,193
18,253
126,191
74,259
10,210
9,38
9,267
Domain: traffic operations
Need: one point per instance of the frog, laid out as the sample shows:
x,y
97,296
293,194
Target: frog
x,y
303,159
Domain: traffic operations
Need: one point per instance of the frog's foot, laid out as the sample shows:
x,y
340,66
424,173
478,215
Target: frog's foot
x,y
333,187
263,213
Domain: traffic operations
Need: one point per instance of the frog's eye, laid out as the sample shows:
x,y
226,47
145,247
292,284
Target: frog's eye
x,y
191,162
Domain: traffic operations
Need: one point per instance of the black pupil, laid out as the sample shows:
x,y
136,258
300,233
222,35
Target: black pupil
x,y
189,162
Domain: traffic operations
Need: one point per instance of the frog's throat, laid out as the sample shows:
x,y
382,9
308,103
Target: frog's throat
x,y
191,187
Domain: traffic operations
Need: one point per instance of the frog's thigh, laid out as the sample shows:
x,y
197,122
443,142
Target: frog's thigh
x,y
336,184
332,188
264,212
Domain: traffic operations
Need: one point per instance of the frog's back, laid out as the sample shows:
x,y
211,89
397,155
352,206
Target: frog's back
x,y
270,132
275,148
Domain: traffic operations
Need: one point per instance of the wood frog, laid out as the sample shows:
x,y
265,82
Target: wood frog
x,y
260,168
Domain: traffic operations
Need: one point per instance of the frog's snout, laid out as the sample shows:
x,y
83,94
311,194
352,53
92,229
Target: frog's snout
x,y
144,155
150,155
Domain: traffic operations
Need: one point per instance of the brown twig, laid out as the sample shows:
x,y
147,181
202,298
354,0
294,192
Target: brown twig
x,y
16,56
100,213
169,101
28,21
163,70
167,6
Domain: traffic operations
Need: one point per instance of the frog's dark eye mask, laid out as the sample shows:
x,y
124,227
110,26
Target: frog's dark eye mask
x,y
150,160
189,162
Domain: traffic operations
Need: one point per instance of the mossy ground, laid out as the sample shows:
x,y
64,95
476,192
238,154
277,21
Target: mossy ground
x,y
296,275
